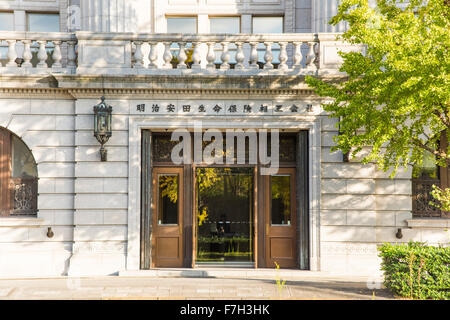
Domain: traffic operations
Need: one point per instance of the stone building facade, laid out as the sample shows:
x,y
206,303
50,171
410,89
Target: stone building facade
x,y
94,217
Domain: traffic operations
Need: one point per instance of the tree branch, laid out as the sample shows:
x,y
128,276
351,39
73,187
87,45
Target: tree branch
x,y
437,153
444,118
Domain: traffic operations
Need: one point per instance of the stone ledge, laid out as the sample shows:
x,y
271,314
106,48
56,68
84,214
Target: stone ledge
x,y
21,222
440,223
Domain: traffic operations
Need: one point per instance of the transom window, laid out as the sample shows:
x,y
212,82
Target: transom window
x,y
18,177
43,22
268,25
6,21
224,24
230,25
181,24
6,24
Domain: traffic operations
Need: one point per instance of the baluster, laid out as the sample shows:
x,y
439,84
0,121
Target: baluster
x,y
211,56
42,54
57,56
297,55
283,56
196,58
225,57
310,57
268,56
167,57
153,55
182,56
254,55
240,57
138,56
71,54
27,54
12,53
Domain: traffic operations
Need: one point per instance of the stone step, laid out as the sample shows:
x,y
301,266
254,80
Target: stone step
x,y
241,273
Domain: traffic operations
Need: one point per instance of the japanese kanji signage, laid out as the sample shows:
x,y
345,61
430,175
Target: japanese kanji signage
x,y
220,107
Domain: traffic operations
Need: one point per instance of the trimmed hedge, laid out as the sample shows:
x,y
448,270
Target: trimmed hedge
x,y
416,271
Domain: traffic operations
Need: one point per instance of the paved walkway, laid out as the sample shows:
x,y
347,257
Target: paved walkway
x,y
300,286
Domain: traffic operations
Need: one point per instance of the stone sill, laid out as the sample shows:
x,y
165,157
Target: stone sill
x,y
18,222
440,223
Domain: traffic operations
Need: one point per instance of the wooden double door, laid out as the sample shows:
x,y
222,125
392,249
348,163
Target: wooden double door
x,y
174,220
275,245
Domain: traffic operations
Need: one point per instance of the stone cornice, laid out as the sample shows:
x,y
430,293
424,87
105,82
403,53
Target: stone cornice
x,y
75,86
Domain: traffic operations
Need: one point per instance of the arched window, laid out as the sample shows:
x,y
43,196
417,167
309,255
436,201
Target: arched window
x,y
18,177
424,177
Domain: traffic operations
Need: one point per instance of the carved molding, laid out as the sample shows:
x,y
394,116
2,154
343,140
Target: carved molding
x,y
329,249
73,86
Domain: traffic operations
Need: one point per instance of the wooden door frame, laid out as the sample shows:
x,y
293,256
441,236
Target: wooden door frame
x,y
292,172
303,213
156,171
5,173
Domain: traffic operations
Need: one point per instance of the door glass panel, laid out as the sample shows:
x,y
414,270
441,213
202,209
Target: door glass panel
x,y
224,215
168,199
281,200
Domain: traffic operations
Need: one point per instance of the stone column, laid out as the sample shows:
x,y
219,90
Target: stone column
x,y
109,15
322,12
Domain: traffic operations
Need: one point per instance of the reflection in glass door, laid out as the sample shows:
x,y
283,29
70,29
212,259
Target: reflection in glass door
x,y
224,215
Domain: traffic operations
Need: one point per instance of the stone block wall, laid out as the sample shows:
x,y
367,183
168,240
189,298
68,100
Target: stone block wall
x,y
362,207
85,201
101,193
47,127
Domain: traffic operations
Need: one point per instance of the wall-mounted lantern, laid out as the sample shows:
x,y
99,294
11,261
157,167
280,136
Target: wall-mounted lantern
x,y
102,125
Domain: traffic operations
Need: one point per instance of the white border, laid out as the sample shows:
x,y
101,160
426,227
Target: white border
x,y
138,123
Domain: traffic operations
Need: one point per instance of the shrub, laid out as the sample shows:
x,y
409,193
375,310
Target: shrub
x,y
416,271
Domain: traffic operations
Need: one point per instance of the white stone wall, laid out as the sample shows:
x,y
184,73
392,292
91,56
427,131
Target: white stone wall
x,y
47,127
361,208
146,16
21,7
85,201
101,189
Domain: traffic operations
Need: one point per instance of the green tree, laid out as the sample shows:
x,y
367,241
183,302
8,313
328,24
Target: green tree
x,y
395,98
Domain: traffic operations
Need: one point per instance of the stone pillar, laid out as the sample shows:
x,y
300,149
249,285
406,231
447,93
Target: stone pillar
x,y
110,15
322,12
73,15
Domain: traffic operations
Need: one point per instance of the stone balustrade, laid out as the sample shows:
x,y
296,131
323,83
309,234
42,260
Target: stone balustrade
x,y
130,53
37,52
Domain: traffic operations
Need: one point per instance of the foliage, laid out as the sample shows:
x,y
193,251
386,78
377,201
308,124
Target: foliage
x,y
416,271
280,283
168,186
443,196
395,98
203,216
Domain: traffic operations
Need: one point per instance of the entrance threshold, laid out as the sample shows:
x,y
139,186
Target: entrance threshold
x,y
222,272
248,265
